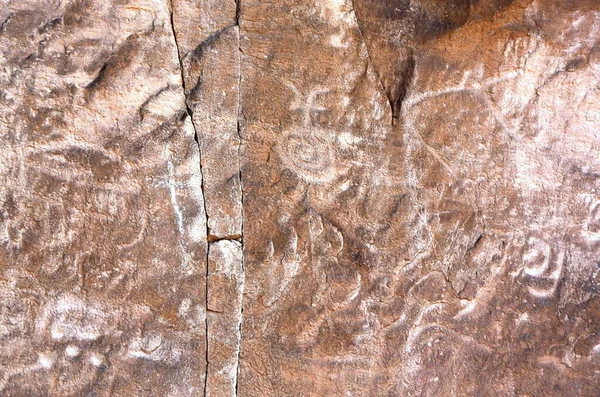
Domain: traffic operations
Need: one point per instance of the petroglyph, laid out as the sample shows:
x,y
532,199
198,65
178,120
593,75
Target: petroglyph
x,y
543,266
310,156
283,267
74,334
69,318
154,348
309,150
203,198
305,104
474,85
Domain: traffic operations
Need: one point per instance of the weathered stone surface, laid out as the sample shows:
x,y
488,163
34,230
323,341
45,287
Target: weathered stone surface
x,y
213,72
443,255
103,257
210,60
224,304
300,198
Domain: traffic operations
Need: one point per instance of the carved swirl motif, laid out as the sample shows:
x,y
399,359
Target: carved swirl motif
x,y
309,155
543,268
307,150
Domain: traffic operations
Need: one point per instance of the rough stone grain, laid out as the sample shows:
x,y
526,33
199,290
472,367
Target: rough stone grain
x,y
103,257
300,198
224,304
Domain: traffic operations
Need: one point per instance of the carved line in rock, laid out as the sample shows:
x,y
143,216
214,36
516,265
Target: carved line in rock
x,y
106,194
486,292
542,269
79,328
282,269
475,88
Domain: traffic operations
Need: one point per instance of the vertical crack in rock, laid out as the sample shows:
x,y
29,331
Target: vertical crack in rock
x,y
211,77
226,281
217,55
239,132
205,291
196,138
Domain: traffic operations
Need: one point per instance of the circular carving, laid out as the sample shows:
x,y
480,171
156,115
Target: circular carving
x,y
309,154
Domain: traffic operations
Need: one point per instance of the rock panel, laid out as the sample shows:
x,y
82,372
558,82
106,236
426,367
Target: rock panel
x,y
226,281
209,53
103,226
299,198
433,253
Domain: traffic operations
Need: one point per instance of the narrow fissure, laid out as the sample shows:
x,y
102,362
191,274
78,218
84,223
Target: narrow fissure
x,y
197,140
235,237
239,132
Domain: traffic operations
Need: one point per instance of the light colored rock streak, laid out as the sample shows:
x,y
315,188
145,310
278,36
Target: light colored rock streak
x,y
226,283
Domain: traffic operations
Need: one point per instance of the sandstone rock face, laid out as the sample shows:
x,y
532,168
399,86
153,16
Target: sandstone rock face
x,y
300,198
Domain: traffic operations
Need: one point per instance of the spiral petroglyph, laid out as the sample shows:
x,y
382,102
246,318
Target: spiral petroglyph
x,y
309,153
543,266
309,150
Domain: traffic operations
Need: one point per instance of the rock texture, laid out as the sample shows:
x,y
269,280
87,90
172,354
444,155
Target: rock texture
x,y
300,198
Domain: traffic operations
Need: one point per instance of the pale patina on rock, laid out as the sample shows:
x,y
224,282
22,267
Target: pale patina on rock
x,y
300,198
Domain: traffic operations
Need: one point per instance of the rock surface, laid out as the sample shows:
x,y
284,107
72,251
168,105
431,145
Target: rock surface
x,y
300,198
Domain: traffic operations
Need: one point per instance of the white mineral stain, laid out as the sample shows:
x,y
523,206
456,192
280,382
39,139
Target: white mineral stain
x,y
57,333
336,40
347,140
173,194
72,351
345,186
523,318
230,257
184,307
45,360
596,350
335,11
96,360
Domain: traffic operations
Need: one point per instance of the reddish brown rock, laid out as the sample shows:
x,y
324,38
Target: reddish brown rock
x,y
443,255
224,304
300,198
103,256
210,58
